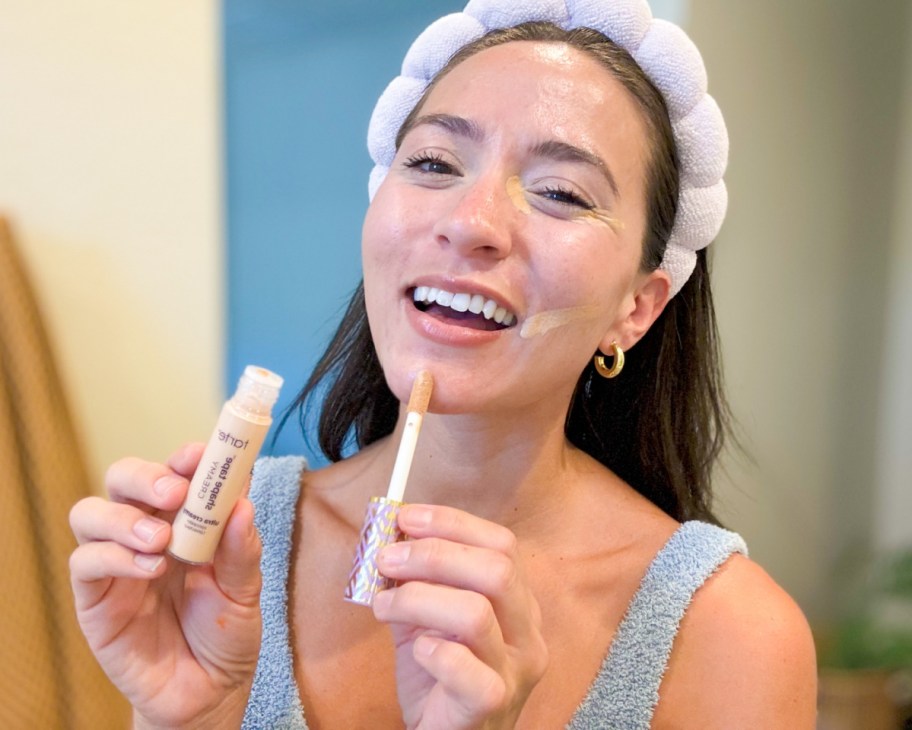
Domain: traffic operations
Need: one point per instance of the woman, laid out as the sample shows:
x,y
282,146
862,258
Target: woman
x,y
548,579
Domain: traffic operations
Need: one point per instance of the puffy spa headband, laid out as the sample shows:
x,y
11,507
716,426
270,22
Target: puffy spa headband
x,y
661,49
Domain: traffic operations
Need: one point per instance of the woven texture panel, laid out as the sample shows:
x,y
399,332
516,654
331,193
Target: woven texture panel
x,y
48,677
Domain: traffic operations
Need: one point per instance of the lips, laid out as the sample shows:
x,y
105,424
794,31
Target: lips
x,y
468,309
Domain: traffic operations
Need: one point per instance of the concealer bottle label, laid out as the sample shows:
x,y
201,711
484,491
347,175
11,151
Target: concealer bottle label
x,y
223,470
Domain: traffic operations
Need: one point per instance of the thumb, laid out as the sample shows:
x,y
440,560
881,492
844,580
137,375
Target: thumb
x,y
236,566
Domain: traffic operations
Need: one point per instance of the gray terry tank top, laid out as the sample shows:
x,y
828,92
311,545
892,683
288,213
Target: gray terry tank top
x,y
623,695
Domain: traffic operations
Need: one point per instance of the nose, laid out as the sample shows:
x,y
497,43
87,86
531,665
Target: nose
x,y
481,220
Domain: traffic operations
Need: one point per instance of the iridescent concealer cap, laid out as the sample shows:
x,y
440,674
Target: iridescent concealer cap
x,y
381,527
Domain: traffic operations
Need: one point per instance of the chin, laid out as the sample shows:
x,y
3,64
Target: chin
x,y
455,392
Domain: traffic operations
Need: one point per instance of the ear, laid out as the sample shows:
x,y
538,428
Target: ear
x,y
641,308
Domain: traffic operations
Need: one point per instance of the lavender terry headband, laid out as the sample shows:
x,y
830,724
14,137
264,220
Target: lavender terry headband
x,y
661,49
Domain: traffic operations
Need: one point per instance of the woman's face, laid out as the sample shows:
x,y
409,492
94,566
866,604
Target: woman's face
x,y
521,186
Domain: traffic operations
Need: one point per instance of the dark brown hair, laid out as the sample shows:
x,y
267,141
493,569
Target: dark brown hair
x,y
659,426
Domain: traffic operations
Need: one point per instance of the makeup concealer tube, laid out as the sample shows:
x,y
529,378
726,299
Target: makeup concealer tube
x,y
225,466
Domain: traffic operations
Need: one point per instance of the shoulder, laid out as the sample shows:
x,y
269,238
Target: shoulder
x,y
743,657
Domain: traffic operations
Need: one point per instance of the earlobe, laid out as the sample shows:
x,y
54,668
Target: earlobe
x,y
647,302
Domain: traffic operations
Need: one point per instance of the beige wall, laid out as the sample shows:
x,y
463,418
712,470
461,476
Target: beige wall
x,y
811,91
109,168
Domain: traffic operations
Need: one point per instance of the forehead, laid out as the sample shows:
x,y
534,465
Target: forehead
x,y
543,89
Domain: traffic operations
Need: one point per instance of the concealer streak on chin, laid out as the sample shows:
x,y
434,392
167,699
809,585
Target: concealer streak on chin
x,y
600,216
518,195
542,322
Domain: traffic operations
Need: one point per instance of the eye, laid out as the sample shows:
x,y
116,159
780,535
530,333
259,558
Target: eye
x,y
431,163
565,196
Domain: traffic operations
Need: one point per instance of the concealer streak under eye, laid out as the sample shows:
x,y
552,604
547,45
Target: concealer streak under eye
x,y
600,216
542,322
518,195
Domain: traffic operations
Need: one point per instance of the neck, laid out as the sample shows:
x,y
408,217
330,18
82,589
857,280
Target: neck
x,y
501,467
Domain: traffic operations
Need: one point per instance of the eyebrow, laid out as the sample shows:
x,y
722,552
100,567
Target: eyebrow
x,y
459,126
565,152
552,149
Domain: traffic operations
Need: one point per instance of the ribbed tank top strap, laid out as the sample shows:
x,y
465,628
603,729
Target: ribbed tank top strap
x,y
626,690
274,700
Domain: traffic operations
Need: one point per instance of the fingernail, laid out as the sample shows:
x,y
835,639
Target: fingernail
x,y
147,528
148,562
395,554
163,485
413,516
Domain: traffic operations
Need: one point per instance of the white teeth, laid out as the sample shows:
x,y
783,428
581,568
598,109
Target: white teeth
x,y
460,302
464,302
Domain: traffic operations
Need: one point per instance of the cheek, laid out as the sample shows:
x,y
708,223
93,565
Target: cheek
x,y
577,279
389,225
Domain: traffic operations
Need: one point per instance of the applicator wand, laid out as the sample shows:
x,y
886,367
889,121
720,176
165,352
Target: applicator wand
x,y
380,523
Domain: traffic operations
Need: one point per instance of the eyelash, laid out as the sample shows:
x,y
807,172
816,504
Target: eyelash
x,y
558,194
566,197
428,158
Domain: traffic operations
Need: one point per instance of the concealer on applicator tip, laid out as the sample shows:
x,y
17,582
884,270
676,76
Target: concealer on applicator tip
x,y
381,527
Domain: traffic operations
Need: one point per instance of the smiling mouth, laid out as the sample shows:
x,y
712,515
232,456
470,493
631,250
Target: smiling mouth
x,y
462,308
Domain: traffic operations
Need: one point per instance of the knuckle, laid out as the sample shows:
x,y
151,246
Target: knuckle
x,y
77,512
81,515
509,544
447,519
479,619
502,575
124,474
74,561
430,552
119,469
492,693
113,470
187,456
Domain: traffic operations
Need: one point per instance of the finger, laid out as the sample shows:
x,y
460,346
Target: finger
x,y
145,483
477,690
422,520
95,564
186,459
237,558
95,519
483,570
466,616
462,566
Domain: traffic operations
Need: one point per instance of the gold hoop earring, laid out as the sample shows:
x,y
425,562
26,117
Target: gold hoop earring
x,y
616,366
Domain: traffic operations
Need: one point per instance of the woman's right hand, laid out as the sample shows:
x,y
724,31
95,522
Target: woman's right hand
x,y
179,641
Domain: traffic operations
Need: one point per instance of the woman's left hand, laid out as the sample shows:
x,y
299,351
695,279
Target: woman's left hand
x,y
467,628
